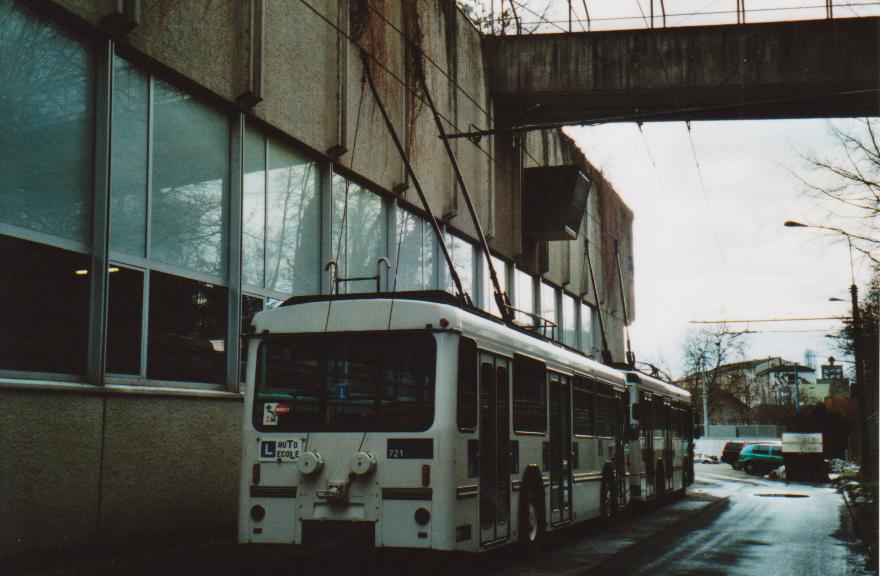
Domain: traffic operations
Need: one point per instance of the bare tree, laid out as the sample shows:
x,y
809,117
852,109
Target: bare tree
x,y
845,183
509,17
705,352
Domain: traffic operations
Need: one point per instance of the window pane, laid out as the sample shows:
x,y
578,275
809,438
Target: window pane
x,y
125,309
467,384
293,237
346,382
187,330
569,320
489,289
250,305
128,160
190,182
529,395
48,98
604,415
253,212
587,329
548,310
410,257
429,247
359,233
584,407
463,257
525,297
44,303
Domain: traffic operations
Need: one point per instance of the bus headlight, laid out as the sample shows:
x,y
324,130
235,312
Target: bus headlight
x,y
309,463
362,463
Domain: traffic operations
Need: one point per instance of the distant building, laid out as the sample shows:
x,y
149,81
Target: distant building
x,y
832,376
772,384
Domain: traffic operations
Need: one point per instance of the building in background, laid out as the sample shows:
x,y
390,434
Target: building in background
x,y
168,169
759,391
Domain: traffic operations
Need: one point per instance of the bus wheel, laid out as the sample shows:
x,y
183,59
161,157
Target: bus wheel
x,y
531,518
660,483
607,500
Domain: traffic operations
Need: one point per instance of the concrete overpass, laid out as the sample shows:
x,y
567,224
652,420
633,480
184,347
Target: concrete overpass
x,y
802,69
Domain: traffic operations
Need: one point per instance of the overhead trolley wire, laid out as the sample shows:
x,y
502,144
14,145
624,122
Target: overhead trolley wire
x,y
706,196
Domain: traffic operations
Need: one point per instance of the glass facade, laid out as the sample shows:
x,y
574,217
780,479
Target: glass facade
x,y
359,234
549,310
174,300
489,290
48,97
586,329
525,297
569,320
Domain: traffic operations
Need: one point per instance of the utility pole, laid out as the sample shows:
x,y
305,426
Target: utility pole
x,y
705,398
865,459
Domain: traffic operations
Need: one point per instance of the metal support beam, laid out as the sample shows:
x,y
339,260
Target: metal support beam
x,y
99,277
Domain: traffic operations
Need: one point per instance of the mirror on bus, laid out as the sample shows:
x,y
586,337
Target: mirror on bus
x,y
635,411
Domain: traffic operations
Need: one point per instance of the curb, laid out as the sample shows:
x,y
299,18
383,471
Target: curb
x,y
860,529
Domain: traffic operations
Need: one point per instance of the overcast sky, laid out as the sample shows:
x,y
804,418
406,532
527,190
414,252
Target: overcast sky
x,y
717,250
725,254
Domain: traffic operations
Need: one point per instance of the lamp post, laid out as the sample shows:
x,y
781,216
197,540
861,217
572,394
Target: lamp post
x,y
866,460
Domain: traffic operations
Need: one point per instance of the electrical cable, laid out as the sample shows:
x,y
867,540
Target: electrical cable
x,y
706,197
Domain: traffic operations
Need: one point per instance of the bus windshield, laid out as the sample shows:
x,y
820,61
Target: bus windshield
x,y
354,382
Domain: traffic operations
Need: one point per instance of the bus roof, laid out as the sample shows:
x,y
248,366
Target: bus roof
x,y
422,310
657,386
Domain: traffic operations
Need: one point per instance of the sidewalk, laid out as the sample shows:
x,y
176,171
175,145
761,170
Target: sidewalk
x,y
569,553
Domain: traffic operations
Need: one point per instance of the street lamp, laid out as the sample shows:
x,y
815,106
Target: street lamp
x,y
861,407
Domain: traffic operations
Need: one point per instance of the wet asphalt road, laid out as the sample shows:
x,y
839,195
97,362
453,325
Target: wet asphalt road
x,y
729,524
763,527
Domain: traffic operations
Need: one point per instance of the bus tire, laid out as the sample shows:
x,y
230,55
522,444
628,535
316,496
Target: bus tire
x,y
607,497
531,516
660,483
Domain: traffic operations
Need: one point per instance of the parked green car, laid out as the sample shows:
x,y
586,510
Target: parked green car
x,y
756,458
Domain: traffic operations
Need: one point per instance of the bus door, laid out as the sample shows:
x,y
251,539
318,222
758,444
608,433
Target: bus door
x,y
646,421
494,449
621,426
668,452
560,448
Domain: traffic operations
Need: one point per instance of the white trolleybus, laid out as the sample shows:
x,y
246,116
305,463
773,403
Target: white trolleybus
x,y
660,438
410,420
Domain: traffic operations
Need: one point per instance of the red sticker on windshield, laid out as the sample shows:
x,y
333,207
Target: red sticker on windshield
x,y
282,409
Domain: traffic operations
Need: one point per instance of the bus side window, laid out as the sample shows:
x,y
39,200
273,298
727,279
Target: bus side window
x,y
584,407
529,395
466,408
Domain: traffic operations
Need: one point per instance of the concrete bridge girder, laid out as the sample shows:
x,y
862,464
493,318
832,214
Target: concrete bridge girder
x,y
823,68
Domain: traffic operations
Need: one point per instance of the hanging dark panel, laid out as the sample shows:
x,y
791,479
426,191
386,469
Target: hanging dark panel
x,y
554,199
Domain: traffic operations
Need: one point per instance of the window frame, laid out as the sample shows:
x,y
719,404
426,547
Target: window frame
x,y
471,425
519,360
